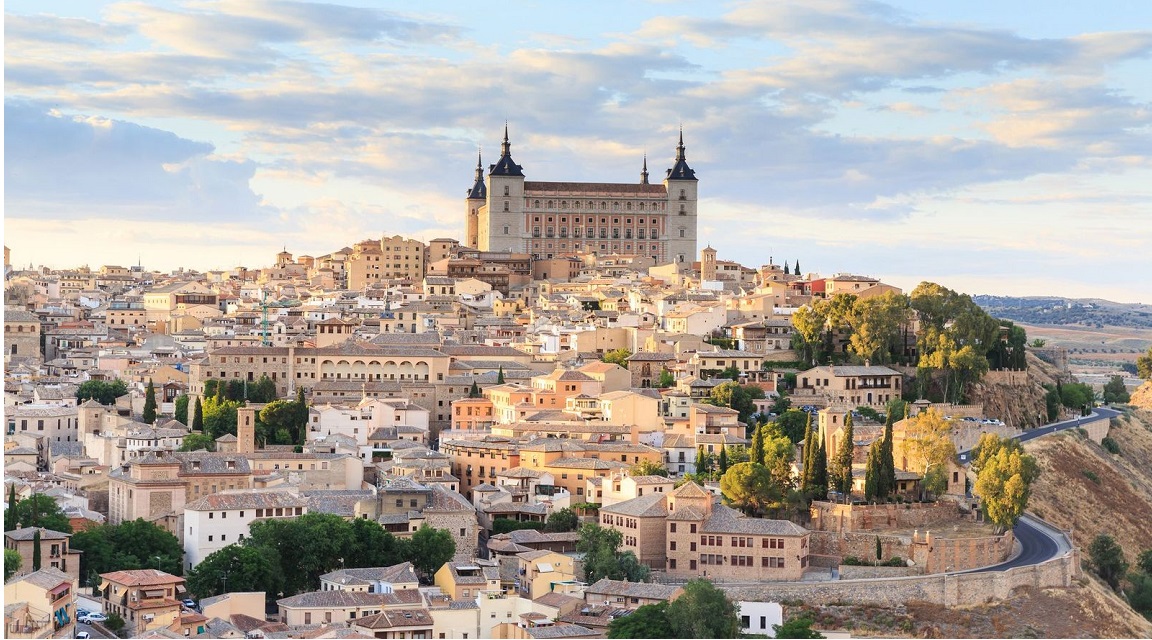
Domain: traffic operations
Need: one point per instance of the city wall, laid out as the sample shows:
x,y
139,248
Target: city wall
x,y
829,516
964,589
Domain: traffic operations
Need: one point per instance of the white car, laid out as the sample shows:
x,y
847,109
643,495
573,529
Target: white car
x,y
92,617
83,635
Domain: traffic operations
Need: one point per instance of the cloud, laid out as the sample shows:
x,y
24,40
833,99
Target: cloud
x,y
72,166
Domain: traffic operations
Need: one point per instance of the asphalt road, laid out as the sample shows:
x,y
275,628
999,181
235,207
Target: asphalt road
x,y
1099,413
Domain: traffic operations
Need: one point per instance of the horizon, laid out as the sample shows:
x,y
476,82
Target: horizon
x,y
992,150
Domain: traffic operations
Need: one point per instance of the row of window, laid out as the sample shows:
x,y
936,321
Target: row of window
x,y
712,559
592,206
578,232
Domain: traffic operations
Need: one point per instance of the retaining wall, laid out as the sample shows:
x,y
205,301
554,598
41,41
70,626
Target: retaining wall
x,y
829,516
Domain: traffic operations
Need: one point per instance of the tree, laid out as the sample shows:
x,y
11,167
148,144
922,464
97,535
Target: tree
x,y
778,455
787,268
703,462
887,469
703,611
647,621
928,445
1107,559
263,392
219,415
1144,365
1140,595
369,545
809,322
666,379
842,464
722,463
308,546
806,479
197,441
36,550
237,568
602,559
1115,391
876,327
793,424
210,387
431,548
562,520
798,627
100,391
180,409
648,468
474,390
1144,561
736,396
500,375
198,416
758,444
872,481
797,269
38,510
1077,395
149,416
749,486
618,356
278,423
12,562
115,622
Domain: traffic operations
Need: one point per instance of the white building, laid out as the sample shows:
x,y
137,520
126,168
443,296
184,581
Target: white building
x,y
218,520
362,420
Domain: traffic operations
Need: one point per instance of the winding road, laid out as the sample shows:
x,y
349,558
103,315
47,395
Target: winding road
x,y
1038,541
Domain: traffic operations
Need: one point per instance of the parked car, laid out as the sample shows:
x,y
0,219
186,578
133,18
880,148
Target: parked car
x,y
190,603
93,617
83,635
82,612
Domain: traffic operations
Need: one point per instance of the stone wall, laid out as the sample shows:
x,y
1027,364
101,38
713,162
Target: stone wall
x,y
854,572
963,589
837,546
1007,377
829,516
937,554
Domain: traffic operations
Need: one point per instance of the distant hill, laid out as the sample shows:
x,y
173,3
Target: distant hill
x,y
1085,312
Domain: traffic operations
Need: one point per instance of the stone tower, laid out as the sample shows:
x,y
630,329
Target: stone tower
x,y
681,184
501,223
708,263
477,196
246,428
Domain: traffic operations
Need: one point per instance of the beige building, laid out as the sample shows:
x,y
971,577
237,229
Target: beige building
x,y
468,579
395,258
542,572
54,552
641,523
854,386
147,599
40,604
21,334
704,538
504,212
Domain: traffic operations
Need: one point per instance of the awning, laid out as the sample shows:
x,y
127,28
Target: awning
x,y
180,588
104,585
544,567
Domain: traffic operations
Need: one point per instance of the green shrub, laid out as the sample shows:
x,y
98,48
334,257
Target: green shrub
x,y
894,561
1091,476
853,561
1110,445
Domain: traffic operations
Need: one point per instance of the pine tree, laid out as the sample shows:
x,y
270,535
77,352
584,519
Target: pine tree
x,y
36,551
149,403
500,376
198,416
758,444
842,469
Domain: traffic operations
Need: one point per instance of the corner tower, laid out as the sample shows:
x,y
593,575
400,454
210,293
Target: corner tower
x,y
501,222
681,183
477,198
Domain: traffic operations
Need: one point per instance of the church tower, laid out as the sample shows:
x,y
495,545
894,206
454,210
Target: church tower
x,y
501,222
477,197
681,183
708,263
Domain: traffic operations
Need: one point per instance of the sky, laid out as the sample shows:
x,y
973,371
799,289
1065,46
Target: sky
x,y
991,147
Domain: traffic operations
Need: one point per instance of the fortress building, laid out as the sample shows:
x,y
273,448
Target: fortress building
x,y
505,212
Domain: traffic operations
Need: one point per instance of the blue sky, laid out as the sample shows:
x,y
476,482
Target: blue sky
x,y
998,148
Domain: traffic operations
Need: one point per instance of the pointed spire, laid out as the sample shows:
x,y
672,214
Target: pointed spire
x,y
479,164
644,171
680,147
505,147
680,170
505,166
479,190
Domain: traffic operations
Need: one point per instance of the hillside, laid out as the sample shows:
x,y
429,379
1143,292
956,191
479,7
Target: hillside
x,y
1085,489
1091,312
1018,406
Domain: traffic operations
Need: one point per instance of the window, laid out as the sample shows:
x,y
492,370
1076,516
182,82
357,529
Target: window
x,y
692,528
672,527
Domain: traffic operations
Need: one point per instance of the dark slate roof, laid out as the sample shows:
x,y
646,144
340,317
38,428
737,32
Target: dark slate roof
x,y
479,190
649,506
681,170
633,589
505,166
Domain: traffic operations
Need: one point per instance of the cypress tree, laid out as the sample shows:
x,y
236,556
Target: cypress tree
x,y
149,416
474,392
786,268
809,454
701,460
500,376
36,551
797,269
300,416
198,416
873,481
820,470
887,463
758,444
723,462
842,470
